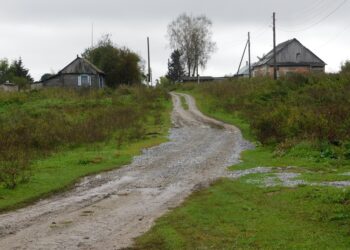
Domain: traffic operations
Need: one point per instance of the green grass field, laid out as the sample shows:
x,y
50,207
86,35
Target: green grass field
x,y
237,215
240,214
60,171
61,168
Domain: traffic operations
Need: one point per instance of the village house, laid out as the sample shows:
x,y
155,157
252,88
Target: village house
x,y
291,56
9,87
79,73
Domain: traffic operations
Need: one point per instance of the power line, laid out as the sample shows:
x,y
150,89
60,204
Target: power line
x,y
334,37
149,77
262,30
312,13
319,21
92,35
274,47
249,56
312,8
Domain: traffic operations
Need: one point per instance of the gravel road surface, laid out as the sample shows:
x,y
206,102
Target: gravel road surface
x,y
108,210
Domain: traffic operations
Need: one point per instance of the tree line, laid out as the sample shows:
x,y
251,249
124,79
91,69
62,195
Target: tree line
x,y
14,72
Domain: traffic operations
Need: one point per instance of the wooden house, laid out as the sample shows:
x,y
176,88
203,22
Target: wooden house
x,y
291,56
79,73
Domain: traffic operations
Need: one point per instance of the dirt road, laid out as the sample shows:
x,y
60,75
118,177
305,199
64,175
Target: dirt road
x,y
107,211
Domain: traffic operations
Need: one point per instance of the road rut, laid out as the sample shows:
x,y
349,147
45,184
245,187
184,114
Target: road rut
x,y
107,211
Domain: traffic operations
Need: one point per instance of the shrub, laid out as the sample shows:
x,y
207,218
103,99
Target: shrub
x,y
14,168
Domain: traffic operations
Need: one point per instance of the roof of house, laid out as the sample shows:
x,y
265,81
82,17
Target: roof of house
x,y
244,70
80,66
268,58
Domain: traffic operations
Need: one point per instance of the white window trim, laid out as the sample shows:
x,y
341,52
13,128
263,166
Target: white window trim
x,y
79,79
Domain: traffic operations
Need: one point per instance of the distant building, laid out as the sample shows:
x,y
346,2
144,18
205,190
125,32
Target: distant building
x,y
291,56
244,71
79,73
9,87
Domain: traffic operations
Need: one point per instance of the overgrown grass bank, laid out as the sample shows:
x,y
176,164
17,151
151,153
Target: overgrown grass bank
x,y
242,214
54,137
284,113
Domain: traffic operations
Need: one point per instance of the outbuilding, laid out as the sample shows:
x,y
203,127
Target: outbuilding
x,y
79,73
291,56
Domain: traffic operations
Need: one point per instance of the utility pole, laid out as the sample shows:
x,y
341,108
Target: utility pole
x,y
249,57
198,78
92,35
274,48
149,78
240,63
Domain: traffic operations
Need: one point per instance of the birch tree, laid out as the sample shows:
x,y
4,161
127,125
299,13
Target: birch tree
x,y
192,36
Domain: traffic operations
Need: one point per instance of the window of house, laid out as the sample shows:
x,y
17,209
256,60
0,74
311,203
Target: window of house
x,y
298,57
84,80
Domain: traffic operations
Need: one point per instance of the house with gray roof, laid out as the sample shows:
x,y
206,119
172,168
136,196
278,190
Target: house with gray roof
x,y
291,56
79,73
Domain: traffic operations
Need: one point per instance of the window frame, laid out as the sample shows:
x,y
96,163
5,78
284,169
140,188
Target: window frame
x,y
80,80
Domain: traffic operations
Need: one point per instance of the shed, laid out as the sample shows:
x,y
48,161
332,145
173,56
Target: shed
x,y
291,56
79,73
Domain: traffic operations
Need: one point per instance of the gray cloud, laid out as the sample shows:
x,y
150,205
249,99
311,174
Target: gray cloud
x,y
48,34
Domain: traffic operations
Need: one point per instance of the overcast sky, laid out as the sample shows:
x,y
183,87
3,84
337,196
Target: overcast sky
x,y
49,34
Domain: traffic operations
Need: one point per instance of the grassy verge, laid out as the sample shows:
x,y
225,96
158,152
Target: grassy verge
x,y
236,215
64,167
243,215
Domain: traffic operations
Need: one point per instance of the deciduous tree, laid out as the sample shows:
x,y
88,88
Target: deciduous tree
x,y
192,36
121,65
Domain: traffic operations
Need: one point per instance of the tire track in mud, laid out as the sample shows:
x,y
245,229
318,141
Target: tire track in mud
x,y
107,211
